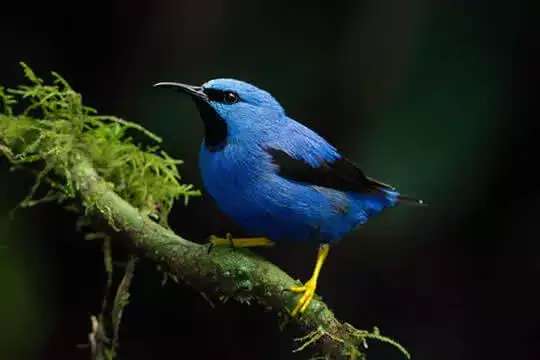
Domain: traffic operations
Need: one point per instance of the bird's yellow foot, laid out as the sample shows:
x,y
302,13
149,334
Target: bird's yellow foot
x,y
309,287
308,290
240,242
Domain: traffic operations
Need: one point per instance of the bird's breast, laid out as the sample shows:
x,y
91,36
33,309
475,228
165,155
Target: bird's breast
x,y
234,177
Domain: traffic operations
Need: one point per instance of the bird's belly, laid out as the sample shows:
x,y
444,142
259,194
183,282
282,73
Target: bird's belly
x,y
248,200
264,204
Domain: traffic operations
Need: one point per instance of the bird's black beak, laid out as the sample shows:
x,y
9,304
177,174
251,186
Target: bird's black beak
x,y
194,91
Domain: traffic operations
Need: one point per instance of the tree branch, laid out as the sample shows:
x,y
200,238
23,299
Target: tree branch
x,y
235,273
112,178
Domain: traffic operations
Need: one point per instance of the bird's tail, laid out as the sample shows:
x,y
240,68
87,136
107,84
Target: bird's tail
x,y
409,200
397,198
392,194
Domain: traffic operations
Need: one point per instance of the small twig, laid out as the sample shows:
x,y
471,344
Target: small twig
x,y
97,339
107,261
122,297
208,300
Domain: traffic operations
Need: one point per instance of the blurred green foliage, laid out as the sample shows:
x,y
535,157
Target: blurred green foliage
x,y
24,306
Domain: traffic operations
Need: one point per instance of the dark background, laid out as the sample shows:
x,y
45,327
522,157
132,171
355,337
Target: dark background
x,y
434,97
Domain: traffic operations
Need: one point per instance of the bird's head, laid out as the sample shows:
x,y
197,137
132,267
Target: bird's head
x,y
231,109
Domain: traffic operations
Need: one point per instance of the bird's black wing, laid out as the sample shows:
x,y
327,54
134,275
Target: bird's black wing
x,y
340,174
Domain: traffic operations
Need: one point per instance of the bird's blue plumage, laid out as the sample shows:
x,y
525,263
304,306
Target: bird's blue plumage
x,y
250,180
277,178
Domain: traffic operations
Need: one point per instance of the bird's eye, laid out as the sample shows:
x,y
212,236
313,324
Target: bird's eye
x,y
230,98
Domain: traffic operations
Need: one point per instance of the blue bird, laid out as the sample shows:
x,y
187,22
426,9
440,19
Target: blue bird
x,y
278,179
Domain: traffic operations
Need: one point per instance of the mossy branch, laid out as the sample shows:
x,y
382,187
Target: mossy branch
x,y
88,157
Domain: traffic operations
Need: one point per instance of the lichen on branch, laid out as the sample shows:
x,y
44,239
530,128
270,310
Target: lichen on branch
x,y
90,157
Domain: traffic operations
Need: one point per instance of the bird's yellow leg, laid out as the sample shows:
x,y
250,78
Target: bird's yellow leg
x,y
308,289
240,242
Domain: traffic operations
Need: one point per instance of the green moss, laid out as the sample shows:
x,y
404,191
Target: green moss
x,y
53,127
363,335
351,348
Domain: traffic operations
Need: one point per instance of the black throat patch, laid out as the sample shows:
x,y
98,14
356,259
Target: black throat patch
x,y
215,127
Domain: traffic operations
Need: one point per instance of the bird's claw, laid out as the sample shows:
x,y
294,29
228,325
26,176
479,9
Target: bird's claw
x,y
234,243
218,241
308,290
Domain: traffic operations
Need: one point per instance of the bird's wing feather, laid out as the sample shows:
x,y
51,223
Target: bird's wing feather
x,y
304,156
339,174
